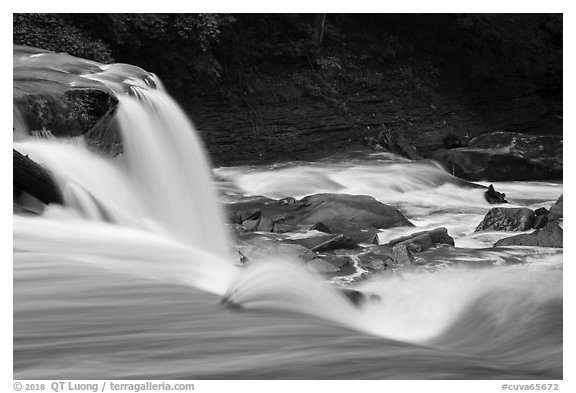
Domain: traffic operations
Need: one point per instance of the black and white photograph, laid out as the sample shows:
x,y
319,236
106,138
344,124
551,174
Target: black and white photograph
x,y
267,196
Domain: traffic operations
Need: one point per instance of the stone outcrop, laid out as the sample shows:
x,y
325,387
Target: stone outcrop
x,y
357,217
548,232
65,96
501,156
50,94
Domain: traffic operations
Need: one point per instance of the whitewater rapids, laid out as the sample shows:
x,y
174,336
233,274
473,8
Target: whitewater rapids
x,y
118,299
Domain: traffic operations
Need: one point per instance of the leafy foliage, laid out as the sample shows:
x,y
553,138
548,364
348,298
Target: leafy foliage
x,y
53,32
192,49
527,45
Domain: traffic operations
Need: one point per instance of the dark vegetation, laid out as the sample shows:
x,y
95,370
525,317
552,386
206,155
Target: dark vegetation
x,y
269,87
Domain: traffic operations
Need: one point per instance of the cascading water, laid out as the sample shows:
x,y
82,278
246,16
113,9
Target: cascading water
x,y
170,171
162,181
85,176
121,282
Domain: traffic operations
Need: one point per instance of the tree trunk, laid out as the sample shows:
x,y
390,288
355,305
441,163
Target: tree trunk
x,y
319,23
34,179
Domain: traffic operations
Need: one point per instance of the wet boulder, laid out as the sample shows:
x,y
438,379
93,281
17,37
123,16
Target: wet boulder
x,y
501,156
256,222
557,210
359,208
358,232
357,216
424,240
549,236
319,226
402,250
383,257
402,255
494,197
50,94
261,214
406,250
377,258
507,219
540,218
32,178
251,220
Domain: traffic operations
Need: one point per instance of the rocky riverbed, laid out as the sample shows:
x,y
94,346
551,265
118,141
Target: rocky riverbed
x,y
427,220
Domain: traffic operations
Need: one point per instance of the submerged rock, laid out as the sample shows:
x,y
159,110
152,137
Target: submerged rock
x,y
359,298
263,247
507,219
549,236
501,156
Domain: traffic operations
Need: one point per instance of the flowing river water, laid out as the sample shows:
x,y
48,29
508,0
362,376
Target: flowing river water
x,y
126,279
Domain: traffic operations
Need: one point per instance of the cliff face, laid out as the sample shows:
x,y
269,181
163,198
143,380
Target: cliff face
x,y
281,118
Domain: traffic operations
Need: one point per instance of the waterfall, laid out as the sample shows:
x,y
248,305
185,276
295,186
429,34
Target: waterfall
x,y
162,181
166,162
